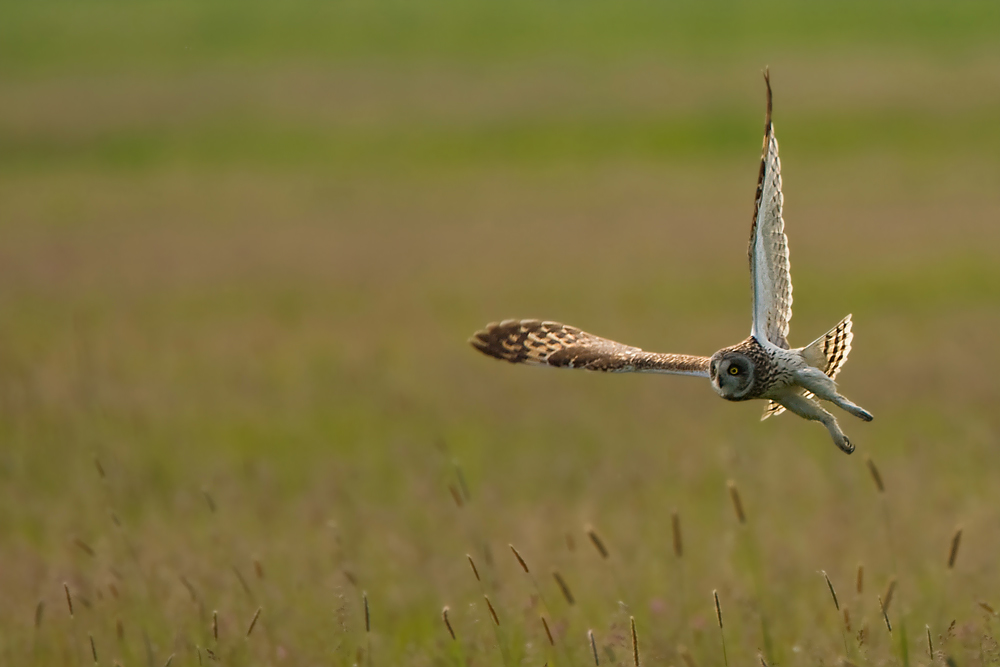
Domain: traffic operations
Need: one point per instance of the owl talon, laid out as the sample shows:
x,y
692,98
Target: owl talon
x,y
846,446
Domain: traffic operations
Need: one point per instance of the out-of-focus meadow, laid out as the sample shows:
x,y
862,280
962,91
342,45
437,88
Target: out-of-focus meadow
x,y
242,246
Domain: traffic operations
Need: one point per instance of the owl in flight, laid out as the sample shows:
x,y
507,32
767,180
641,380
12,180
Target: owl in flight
x,y
762,366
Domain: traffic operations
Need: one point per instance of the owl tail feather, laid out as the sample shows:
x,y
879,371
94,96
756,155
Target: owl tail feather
x,y
827,353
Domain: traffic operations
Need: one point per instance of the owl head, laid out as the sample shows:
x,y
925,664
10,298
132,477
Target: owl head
x,y
732,374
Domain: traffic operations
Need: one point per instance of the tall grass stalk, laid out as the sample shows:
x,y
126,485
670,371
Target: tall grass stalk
x,y
876,475
722,632
839,621
752,556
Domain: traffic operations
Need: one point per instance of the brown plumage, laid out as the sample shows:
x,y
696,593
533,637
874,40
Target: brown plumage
x,y
555,344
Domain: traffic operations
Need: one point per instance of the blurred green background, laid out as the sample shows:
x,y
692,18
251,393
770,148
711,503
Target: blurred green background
x,y
242,246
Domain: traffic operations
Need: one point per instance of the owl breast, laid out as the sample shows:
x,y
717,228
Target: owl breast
x,y
773,369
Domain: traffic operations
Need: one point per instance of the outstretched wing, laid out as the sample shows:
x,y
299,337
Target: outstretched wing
x,y
553,344
769,270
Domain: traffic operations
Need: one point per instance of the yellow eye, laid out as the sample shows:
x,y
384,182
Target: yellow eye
x,y
733,370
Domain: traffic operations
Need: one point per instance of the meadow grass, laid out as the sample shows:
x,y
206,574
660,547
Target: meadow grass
x,y
242,246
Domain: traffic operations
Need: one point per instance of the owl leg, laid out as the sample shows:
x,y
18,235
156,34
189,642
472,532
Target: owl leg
x,y
810,409
818,383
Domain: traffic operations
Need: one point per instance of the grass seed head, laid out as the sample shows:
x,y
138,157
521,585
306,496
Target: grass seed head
x,y
524,566
675,525
734,495
956,539
548,633
598,542
215,624
368,618
493,612
876,477
93,648
860,581
39,612
258,568
563,587
253,621
930,644
832,591
69,599
987,607
119,629
718,608
890,589
885,614
472,564
635,642
83,546
447,623
593,646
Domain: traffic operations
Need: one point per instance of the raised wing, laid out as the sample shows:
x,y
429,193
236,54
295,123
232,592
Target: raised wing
x,y
769,269
553,344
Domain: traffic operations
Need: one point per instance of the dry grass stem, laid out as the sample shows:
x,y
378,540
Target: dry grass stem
x,y
493,612
876,477
885,614
734,495
524,566
93,647
563,587
832,591
447,623
548,633
635,642
472,564
253,621
170,659
69,599
596,539
675,524
368,618
953,552
593,646
890,589
860,582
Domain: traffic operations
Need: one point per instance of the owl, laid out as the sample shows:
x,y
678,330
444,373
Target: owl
x,y
762,366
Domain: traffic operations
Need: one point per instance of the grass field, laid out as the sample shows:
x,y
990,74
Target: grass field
x,y
242,246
